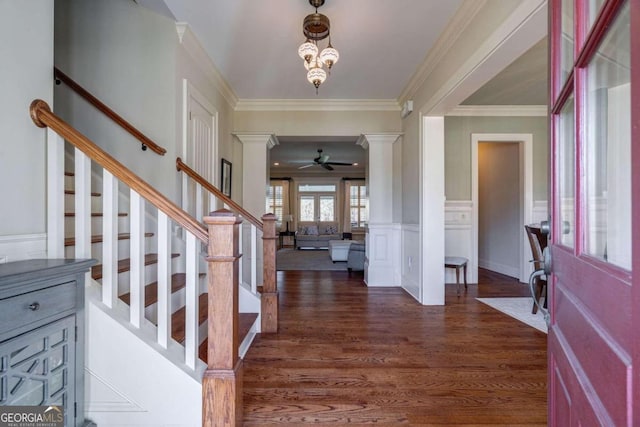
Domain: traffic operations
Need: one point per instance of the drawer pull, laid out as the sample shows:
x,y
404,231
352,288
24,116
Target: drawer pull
x,y
34,306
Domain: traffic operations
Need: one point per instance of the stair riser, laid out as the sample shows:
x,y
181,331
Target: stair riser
x,y
150,276
96,225
69,203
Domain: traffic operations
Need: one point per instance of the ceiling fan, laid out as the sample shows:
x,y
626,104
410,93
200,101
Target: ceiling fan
x,y
323,160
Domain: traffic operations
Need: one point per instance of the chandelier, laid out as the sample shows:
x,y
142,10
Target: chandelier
x,y
315,27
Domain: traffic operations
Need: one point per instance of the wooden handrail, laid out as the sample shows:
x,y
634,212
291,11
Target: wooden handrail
x,y
182,167
43,117
146,142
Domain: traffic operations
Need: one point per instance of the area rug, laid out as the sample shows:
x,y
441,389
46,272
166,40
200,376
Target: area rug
x,y
518,308
306,259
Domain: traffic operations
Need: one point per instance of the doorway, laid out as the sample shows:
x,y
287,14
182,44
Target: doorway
x,y
525,162
499,207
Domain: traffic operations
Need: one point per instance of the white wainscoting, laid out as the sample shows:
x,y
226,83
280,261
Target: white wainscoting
x,y
458,239
410,260
540,211
22,246
458,236
382,263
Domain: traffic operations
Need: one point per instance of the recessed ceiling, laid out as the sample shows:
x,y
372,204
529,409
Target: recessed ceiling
x,y
295,151
255,44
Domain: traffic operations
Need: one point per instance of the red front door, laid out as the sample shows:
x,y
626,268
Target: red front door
x,y
594,336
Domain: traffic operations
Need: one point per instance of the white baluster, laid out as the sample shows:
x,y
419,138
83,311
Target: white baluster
x,y
212,203
109,239
254,259
192,291
55,195
82,186
164,280
240,252
185,192
136,274
199,202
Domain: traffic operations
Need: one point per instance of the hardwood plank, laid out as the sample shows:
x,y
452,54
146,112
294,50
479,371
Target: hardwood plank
x,y
245,322
71,241
178,281
349,354
178,318
125,265
72,192
93,214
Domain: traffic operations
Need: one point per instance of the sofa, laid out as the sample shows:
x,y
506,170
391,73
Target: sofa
x,y
316,234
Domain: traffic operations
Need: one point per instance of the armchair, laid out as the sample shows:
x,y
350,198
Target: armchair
x,y
355,259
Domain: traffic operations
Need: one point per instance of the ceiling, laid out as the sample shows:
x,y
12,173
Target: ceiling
x,y
254,45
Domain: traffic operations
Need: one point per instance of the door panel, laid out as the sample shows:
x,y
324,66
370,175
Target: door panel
x,y
592,341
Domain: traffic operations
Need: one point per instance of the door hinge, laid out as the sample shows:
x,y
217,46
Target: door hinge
x,y
75,409
76,334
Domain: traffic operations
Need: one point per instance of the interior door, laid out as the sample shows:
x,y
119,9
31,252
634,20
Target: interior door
x,y
595,159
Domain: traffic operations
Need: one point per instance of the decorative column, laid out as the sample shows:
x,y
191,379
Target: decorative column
x,y
255,179
382,255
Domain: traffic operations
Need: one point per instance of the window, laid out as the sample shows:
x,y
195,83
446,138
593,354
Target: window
x,y
317,202
274,201
358,205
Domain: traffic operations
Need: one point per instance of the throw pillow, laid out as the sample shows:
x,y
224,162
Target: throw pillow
x,y
332,229
312,230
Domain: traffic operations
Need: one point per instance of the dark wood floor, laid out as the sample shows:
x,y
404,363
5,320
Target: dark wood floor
x,y
347,354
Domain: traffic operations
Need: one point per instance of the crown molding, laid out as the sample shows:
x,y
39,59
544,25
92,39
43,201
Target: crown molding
x,y
460,21
500,110
269,139
193,47
317,105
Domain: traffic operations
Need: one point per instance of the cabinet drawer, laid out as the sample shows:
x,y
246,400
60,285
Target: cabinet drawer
x,y
24,309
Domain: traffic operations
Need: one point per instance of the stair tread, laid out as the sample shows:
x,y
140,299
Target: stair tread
x,y
125,265
93,214
178,318
93,194
245,322
71,241
69,174
178,281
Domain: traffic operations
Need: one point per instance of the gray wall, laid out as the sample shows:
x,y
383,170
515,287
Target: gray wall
x,y
25,74
123,54
499,207
458,132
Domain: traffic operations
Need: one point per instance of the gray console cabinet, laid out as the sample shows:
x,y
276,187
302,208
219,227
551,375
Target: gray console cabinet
x,y
42,334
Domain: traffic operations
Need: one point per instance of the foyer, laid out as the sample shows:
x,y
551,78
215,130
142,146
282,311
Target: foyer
x,y
347,354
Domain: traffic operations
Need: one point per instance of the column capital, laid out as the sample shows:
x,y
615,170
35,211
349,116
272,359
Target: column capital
x,y
268,139
367,139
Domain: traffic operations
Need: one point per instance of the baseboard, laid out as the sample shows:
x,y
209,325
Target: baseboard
x,y
23,246
507,270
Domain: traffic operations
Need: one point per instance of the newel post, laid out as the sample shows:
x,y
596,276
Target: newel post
x,y
269,296
222,381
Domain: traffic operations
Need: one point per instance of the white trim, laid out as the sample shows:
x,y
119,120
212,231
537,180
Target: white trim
x,y
317,105
500,111
456,27
22,246
522,29
431,205
192,45
526,161
409,259
499,268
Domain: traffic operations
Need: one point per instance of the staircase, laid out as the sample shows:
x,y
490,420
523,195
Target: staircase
x,y
159,272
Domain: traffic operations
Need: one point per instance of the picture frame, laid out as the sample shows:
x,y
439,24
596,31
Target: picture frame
x,y
225,178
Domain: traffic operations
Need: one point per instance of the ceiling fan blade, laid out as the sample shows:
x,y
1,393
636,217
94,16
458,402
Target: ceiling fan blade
x,y
326,166
339,164
307,166
324,158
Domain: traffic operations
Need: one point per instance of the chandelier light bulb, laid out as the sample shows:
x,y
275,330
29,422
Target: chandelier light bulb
x,y
329,56
315,63
316,76
308,51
